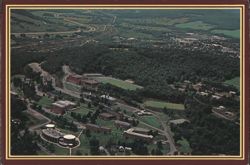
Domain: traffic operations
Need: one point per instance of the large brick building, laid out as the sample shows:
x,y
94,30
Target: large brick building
x,y
97,128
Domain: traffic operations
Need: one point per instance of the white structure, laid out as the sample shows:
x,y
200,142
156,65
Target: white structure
x,y
50,126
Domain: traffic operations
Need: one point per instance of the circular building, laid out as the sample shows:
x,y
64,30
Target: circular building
x,y
69,139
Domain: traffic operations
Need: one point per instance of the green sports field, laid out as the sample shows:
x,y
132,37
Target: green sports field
x,y
118,83
162,104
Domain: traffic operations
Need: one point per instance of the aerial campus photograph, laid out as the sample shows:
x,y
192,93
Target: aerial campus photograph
x,y
131,82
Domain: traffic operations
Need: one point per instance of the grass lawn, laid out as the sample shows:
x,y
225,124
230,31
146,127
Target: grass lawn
x,y
82,110
162,104
235,82
197,25
106,123
84,146
42,153
45,102
184,145
151,120
72,87
33,120
229,33
60,150
118,83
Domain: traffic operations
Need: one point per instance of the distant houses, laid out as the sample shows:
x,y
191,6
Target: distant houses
x,y
223,112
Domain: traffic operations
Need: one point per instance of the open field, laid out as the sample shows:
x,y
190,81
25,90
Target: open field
x,y
143,27
235,82
45,102
157,21
162,104
118,83
151,120
197,25
229,33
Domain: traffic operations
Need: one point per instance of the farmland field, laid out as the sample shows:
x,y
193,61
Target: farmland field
x,y
230,33
235,82
197,25
162,104
45,102
118,83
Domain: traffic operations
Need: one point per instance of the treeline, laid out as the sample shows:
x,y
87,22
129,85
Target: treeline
x,y
154,69
19,59
21,143
206,133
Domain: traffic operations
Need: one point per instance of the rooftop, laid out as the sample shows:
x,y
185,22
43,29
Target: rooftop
x,y
69,137
108,97
90,81
106,114
50,125
122,123
65,102
53,132
58,105
74,79
131,131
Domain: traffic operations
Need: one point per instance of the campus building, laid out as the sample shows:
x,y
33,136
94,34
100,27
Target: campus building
x,y
122,124
85,81
108,99
51,134
74,79
97,128
131,133
89,84
106,116
60,107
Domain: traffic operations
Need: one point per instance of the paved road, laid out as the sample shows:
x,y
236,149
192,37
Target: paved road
x,y
166,132
42,33
37,115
